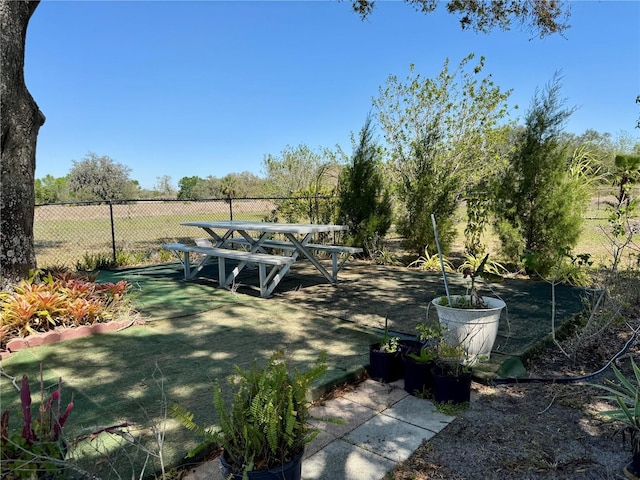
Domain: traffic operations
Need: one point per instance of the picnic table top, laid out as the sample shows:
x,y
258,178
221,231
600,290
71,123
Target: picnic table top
x,y
272,227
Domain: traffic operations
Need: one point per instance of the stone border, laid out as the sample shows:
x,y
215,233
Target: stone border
x,y
63,334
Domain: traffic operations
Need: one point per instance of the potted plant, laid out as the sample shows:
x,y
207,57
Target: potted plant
x,y
472,320
264,430
451,375
385,362
626,396
418,362
417,371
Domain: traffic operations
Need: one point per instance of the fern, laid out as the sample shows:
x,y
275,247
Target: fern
x,y
266,422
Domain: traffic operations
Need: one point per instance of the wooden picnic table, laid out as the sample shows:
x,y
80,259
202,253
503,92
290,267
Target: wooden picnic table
x,y
257,239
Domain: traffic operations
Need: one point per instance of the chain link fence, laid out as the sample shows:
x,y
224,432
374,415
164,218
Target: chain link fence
x,y
603,197
93,234
89,235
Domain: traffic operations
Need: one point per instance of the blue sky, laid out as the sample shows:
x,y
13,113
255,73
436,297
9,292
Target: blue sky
x,y
209,88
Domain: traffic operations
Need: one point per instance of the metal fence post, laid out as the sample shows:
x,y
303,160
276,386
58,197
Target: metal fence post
x,y
230,200
113,232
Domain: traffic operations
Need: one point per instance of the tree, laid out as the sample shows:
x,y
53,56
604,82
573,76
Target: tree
x,y
100,178
21,118
247,184
542,197
444,140
364,202
186,186
304,173
542,17
50,189
229,187
164,187
297,169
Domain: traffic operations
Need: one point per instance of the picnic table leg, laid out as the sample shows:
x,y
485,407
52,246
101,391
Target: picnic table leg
x,y
344,260
274,278
218,240
235,272
301,248
255,246
193,271
262,271
187,266
222,277
334,265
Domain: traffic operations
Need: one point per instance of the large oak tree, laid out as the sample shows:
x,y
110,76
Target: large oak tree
x,y
21,120
21,117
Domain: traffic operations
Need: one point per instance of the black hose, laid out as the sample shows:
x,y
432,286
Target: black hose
x,y
566,380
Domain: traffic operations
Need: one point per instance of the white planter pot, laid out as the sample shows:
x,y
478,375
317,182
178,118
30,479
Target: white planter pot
x,y
473,329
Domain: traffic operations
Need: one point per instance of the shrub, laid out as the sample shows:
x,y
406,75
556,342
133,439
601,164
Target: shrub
x,y
266,424
540,200
364,202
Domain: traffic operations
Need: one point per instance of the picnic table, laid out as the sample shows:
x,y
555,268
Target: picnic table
x,y
258,247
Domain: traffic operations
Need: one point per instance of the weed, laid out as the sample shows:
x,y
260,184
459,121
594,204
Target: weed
x,y
451,409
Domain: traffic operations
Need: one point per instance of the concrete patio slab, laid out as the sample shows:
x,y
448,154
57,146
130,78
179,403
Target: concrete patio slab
x,y
345,461
419,412
376,395
388,437
349,414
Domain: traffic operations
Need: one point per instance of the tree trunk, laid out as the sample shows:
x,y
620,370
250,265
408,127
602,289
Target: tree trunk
x,y
21,120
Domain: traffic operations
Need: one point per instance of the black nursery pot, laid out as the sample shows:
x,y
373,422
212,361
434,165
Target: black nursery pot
x,y
383,366
417,376
289,471
632,470
450,388
409,346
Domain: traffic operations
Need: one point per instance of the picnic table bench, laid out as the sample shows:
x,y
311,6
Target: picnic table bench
x,y
267,284
335,250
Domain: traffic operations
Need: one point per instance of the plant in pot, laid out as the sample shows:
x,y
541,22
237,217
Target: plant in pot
x,y
385,362
451,375
418,363
626,395
472,320
264,430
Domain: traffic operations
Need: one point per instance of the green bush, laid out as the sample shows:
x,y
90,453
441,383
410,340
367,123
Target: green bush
x,y
539,204
364,202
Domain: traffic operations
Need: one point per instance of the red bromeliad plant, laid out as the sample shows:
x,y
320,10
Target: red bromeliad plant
x,y
39,448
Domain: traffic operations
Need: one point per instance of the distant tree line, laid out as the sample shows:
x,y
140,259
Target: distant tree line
x,y
296,170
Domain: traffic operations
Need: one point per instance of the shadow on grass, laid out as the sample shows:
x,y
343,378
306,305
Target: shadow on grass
x,y
115,377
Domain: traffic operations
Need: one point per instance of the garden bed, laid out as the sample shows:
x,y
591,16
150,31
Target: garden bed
x,y
542,430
